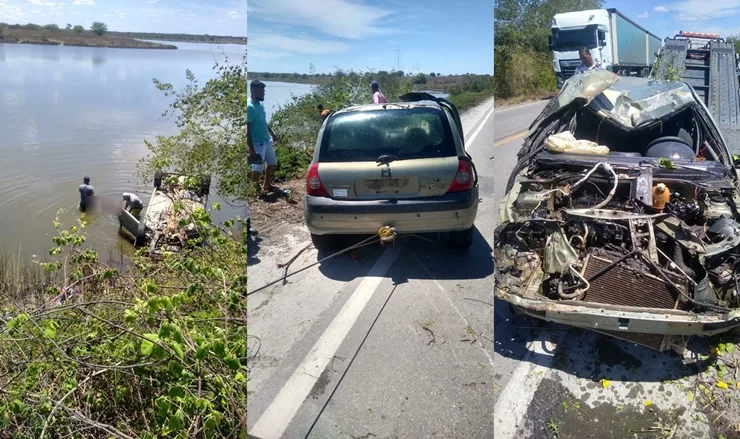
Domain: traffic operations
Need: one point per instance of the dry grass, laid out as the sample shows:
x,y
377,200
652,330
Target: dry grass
x,y
278,209
524,99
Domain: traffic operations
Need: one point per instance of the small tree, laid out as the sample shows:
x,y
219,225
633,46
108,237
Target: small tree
x,y
420,79
432,74
51,27
78,29
99,28
69,27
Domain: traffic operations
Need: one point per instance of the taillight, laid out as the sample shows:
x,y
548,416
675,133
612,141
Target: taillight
x,y
313,182
464,180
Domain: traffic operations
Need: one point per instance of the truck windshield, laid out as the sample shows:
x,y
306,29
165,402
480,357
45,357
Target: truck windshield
x,y
573,39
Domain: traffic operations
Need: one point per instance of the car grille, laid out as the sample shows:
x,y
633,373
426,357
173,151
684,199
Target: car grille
x,y
626,287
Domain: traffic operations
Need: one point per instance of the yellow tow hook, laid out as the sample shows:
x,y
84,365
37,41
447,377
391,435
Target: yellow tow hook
x,y
387,234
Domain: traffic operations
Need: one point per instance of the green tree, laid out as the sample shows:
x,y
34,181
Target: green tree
x,y
420,79
78,29
213,130
69,27
432,74
3,26
52,27
99,28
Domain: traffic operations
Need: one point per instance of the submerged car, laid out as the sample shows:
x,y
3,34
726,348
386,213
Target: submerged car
x,y
162,226
621,214
401,165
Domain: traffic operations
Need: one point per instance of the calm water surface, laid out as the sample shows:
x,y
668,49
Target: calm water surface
x,y
67,112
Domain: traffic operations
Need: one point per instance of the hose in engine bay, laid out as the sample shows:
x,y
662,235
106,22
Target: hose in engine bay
x,y
611,193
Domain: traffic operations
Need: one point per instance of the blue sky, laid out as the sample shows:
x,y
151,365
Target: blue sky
x,y
439,36
666,18
215,17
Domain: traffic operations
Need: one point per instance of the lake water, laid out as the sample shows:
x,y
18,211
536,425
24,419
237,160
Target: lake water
x,y
67,112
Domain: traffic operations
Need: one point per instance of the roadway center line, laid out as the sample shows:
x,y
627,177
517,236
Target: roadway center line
x,y
282,410
510,138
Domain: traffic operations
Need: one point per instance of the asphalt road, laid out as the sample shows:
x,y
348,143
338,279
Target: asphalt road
x,y
548,378
383,343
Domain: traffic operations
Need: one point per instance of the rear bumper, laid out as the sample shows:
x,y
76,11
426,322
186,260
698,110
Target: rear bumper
x,y
450,212
623,319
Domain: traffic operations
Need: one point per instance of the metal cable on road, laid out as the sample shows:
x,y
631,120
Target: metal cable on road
x,y
357,351
368,241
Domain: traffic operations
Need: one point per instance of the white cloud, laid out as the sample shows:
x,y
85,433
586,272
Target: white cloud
x,y
233,14
152,1
340,18
84,2
270,42
643,15
693,10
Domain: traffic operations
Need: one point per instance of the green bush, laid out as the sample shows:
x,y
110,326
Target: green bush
x,y
522,72
155,350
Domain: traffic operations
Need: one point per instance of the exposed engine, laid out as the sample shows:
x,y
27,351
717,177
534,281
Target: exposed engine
x,y
622,237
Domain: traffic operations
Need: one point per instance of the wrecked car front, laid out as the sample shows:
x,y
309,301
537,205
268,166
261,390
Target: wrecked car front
x,y
621,214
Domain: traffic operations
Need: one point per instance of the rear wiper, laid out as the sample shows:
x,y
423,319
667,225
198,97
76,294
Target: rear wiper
x,y
385,159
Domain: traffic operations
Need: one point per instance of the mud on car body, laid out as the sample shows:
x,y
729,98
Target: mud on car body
x,y
636,236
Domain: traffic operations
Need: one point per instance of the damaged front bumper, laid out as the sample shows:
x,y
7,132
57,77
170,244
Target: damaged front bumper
x,y
619,319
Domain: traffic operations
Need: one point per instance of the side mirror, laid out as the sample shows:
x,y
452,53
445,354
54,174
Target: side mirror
x,y
602,43
549,43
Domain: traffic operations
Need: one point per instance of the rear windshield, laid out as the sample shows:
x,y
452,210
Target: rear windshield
x,y
404,134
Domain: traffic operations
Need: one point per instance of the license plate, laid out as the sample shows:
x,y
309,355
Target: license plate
x,y
381,184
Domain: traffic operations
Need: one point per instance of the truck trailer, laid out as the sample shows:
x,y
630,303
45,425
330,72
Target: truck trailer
x,y
617,42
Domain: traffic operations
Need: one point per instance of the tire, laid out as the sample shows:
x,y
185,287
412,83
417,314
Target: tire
x,y
324,242
461,240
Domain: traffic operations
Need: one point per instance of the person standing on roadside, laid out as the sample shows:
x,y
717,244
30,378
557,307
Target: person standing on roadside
x,y
378,97
259,138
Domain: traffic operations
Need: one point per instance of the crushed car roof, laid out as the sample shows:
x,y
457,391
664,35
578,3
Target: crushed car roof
x,y
390,106
629,101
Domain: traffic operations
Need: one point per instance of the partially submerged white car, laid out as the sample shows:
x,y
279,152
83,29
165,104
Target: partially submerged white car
x,y
621,214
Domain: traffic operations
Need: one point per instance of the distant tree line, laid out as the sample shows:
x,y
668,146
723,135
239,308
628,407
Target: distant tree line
x,y
98,28
183,37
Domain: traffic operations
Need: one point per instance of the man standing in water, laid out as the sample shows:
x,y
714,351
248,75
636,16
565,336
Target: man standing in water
x,y
86,190
133,204
378,97
258,138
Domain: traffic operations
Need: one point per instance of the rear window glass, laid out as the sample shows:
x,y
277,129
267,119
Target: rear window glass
x,y
405,134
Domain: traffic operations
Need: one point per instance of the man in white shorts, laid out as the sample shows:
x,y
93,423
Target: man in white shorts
x,y
259,138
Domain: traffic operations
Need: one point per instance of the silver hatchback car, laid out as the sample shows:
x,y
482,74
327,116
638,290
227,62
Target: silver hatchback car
x,y
401,165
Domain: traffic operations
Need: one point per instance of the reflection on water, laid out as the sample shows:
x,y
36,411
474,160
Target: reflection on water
x,y
67,112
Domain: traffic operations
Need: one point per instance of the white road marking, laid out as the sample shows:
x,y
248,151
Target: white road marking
x,y
515,398
504,110
282,410
469,141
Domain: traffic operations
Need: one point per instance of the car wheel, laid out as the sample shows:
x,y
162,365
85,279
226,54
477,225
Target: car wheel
x,y
461,239
324,242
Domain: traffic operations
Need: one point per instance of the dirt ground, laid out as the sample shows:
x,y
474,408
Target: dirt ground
x,y
276,210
